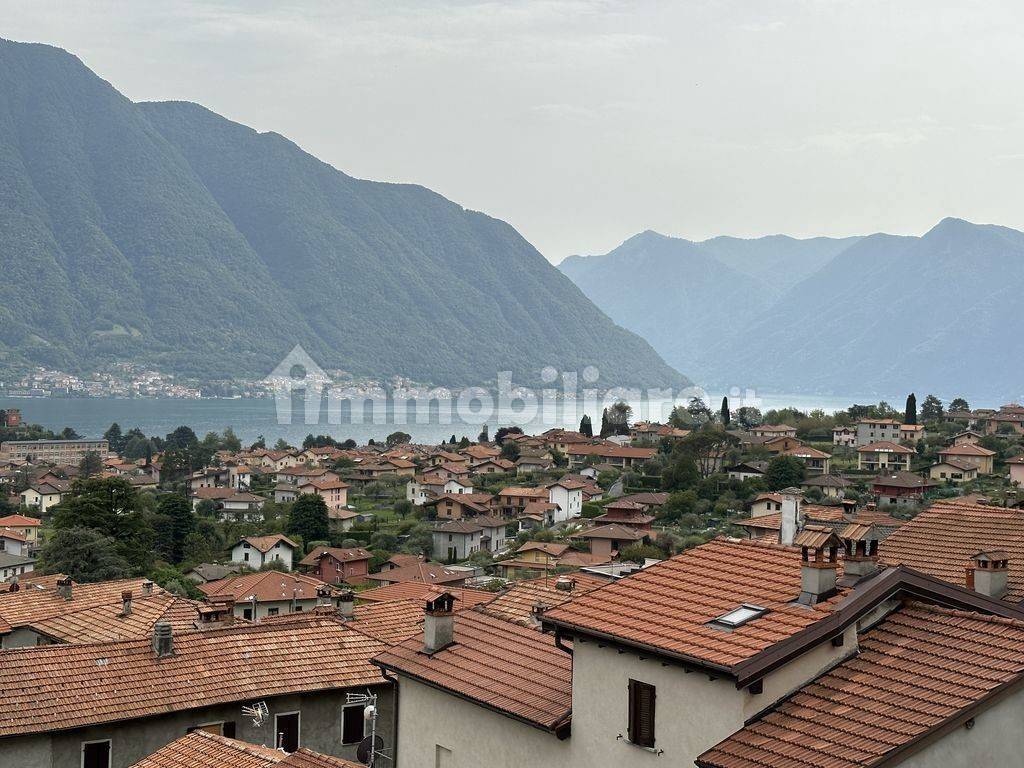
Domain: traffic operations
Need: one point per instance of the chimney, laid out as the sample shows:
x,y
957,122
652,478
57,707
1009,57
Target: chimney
x,y
147,588
323,596
565,583
790,516
126,603
64,587
439,622
861,544
819,547
988,573
163,639
346,604
849,508
537,613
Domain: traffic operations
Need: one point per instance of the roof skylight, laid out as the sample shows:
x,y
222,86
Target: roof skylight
x,y
739,616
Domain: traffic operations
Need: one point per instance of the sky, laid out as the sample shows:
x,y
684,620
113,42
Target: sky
x,y
584,122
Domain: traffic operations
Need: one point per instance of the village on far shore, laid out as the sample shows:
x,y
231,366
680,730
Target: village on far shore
x,y
324,603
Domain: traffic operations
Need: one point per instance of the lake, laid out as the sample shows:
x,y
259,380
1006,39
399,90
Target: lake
x,y
251,418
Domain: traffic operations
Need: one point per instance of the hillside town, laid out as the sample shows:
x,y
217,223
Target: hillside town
x,y
729,589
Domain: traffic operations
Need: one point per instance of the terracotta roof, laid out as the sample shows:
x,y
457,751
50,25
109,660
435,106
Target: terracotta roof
x,y
200,749
426,572
917,670
547,547
520,491
457,526
390,622
21,521
966,449
611,451
213,493
806,452
104,622
126,680
884,446
7,533
417,590
266,543
267,586
773,522
516,603
669,605
610,531
942,539
37,599
399,559
903,480
349,555
500,665
650,499
960,464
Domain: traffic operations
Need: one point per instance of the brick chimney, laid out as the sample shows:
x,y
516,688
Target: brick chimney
x,y
849,508
163,639
790,516
989,573
64,587
438,622
819,548
126,603
861,544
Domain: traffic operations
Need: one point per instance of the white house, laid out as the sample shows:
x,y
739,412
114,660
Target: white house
x,y
41,497
567,495
255,551
423,488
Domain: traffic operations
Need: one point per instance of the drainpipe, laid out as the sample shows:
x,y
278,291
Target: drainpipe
x,y
394,724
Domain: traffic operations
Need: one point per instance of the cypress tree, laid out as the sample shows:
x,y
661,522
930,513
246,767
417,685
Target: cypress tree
x,y
910,415
586,428
725,411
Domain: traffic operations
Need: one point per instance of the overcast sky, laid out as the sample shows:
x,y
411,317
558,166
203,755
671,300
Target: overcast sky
x,y
584,122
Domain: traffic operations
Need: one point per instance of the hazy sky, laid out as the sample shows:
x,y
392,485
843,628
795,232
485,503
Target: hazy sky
x,y
584,122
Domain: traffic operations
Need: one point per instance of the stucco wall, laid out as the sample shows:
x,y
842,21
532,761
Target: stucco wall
x,y
440,731
995,740
319,729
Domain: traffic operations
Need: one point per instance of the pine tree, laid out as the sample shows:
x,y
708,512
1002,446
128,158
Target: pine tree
x,y
910,414
586,428
725,412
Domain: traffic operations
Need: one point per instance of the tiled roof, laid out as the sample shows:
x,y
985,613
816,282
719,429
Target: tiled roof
x,y
903,480
105,622
125,680
521,491
200,749
669,605
20,521
516,603
547,547
941,540
341,555
7,533
427,573
37,600
267,586
966,449
390,622
884,446
457,526
417,590
611,531
503,666
266,543
917,670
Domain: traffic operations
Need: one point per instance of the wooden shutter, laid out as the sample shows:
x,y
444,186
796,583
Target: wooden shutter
x,y
641,713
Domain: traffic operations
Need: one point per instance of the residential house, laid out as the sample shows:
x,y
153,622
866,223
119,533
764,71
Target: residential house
x,y
954,471
113,703
773,430
878,430
884,456
494,466
456,540
766,504
747,470
478,453
968,453
844,436
815,462
421,571
606,541
900,488
13,542
831,486
452,471
619,456
256,596
626,513
202,749
65,452
257,551
529,464
285,493
206,572
911,433
1014,465
495,533
334,492
534,558
567,495
421,489
510,502
457,506
15,565
968,436
28,527
42,497
335,565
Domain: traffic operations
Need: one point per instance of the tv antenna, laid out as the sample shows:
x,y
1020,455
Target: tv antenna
x,y
372,747
259,712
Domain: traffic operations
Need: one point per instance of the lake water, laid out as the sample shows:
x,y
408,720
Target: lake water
x,y
251,418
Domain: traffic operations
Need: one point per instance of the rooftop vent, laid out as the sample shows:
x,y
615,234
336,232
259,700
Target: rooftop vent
x,y
819,549
737,617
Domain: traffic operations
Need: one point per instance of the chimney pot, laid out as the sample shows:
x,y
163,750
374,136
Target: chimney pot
x,y
64,587
439,622
163,639
819,547
988,573
147,588
347,604
126,603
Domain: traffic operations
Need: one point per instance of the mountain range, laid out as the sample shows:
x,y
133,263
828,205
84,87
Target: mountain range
x,y
167,235
878,315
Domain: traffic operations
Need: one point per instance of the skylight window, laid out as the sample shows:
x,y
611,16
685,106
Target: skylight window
x,y
740,616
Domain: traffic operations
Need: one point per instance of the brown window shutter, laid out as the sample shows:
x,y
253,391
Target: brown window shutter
x,y
641,713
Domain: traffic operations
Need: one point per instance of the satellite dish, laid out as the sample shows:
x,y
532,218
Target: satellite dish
x,y
368,748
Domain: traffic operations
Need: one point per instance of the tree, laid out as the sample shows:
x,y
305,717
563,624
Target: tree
x,y
509,450
784,472
282,445
910,412
586,428
725,412
114,438
931,409
174,526
606,427
69,434
398,438
503,432
309,518
230,441
618,418
707,449
484,436
558,457
680,418
749,417
91,464
699,412
84,554
959,404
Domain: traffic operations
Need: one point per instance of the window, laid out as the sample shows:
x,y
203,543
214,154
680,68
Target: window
x,y
247,614
217,729
273,611
96,754
352,725
641,713
740,616
286,728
